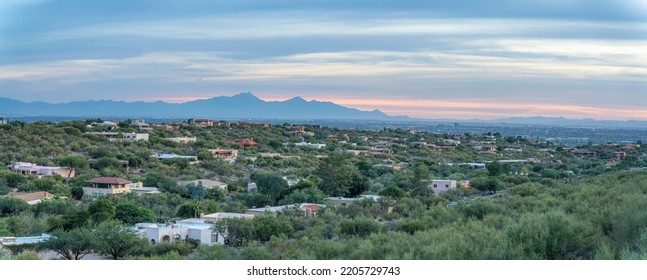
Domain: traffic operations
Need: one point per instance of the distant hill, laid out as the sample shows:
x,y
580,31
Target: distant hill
x,y
244,105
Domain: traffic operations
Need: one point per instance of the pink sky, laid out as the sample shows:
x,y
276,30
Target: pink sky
x,y
466,110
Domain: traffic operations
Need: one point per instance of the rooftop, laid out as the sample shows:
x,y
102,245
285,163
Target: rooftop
x,y
108,180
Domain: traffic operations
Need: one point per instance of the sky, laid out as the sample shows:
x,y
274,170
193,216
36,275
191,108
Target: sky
x,y
426,59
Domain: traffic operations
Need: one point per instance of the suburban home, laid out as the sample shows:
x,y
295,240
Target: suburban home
x,y
583,153
309,145
205,183
141,125
24,240
345,201
118,136
214,217
139,189
619,154
194,228
108,124
102,186
243,142
26,168
488,149
202,122
182,140
227,154
173,156
135,136
31,198
308,209
440,186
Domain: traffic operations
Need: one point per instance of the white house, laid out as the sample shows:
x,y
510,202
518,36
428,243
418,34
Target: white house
x,y
311,145
195,228
182,140
205,183
440,186
27,168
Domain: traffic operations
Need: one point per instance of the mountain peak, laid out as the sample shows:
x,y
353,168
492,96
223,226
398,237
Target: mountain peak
x,y
245,95
296,99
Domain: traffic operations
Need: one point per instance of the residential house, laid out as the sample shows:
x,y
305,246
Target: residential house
x,y
202,122
583,153
110,125
619,154
345,201
243,142
308,209
194,159
118,136
196,228
205,183
226,154
440,186
26,168
31,198
488,149
105,186
139,189
182,140
24,240
141,125
310,145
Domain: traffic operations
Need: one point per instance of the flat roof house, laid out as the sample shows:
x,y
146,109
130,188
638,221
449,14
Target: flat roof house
x,y
26,168
440,186
227,154
102,186
31,198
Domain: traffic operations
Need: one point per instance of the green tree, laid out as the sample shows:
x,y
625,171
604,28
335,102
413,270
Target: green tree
x,y
130,214
12,206
268,225
270,184
392,191
335,174
307,195
118,241
493,168
191,209
235,231
358,184
485,184
13,179
359,226
101,210
72,245
74,163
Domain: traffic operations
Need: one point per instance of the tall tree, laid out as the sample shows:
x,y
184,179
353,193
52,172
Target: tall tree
x,y
118,241
270,184
234,231
73,162
335,174
101,210
72,245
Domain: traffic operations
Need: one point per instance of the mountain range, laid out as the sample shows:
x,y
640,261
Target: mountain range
x,y
243,105
247,106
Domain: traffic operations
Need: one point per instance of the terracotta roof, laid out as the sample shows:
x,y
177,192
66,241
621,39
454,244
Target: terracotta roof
x,y
109,180
313,207
30,196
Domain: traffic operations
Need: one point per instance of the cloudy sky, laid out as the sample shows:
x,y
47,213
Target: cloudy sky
x,y
432,59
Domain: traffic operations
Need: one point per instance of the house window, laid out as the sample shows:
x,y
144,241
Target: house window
x,y
214,237
435,186
446,186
